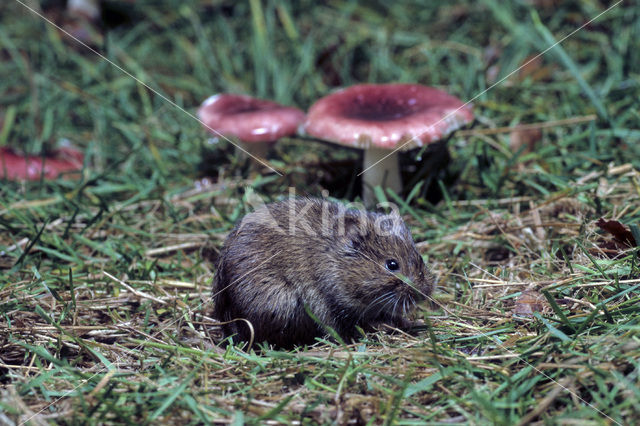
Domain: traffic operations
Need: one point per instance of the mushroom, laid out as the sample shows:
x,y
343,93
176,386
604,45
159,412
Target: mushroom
x,y
383,119
17,166
255,124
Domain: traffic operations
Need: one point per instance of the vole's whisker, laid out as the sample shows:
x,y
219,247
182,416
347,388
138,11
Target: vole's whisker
x,y
389,301
395,305
380,300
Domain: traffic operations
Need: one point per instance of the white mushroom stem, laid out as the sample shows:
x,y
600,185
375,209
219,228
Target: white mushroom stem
x,y
381,169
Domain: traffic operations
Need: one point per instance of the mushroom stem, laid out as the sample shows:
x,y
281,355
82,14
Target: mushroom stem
x,y
381,169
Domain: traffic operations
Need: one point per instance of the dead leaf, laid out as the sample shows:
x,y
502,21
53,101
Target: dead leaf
x,y
621,234
528,302
526,137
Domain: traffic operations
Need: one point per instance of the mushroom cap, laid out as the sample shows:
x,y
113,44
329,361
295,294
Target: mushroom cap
x,y
387,116
16,166
249,119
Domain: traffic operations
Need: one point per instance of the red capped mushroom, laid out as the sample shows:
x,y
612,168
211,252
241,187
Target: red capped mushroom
x,y
254,123
16,166
383,119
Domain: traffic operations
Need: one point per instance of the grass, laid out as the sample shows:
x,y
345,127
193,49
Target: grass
x,y
104,281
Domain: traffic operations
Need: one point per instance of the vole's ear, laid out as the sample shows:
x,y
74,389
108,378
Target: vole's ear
x,y
354,224
263,217
354,231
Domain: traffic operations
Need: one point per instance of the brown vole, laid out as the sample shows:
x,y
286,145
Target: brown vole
x,y
347,267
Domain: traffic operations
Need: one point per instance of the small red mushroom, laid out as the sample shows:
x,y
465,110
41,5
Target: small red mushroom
x,y
383,119
255,124
16,166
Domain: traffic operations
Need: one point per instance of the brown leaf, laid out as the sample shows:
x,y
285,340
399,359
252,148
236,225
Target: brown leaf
x,y
530,301
526,137
620,233
530,66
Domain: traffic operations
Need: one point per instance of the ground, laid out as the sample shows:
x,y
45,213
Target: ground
x,y
105,313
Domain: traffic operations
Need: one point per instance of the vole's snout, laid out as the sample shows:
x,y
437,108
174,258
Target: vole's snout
x,y
420,285
406,286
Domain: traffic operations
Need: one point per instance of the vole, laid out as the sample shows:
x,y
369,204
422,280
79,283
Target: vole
x,y
346,267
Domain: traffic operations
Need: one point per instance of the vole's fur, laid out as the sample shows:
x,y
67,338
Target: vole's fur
x,y
310,254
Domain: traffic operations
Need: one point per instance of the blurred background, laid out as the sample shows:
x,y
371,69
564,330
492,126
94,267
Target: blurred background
x,y
53,90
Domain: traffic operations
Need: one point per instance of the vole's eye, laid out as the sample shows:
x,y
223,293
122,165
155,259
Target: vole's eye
x,y
392,265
